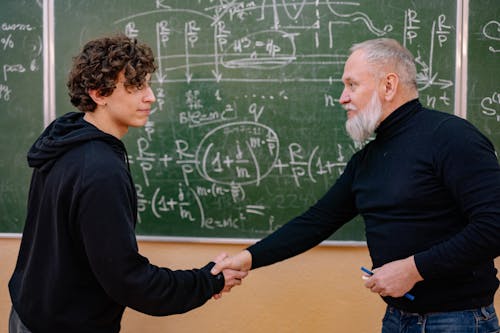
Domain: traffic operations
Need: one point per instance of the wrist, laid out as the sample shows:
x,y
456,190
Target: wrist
x,y
218,281
246,257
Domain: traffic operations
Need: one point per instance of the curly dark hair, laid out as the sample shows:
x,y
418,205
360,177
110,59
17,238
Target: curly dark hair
x,y
99,63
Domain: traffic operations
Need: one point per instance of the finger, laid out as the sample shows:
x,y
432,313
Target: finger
x,y
383,293
227,288
379,290
233,275
220,257
219,267
232,282
241,274
374,288
369,283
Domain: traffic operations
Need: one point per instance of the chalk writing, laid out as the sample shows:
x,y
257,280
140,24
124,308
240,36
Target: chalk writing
x,y
225,152
247,130
491,31
7,42
16,27
5,92
490,106
21,103
483,52
15,38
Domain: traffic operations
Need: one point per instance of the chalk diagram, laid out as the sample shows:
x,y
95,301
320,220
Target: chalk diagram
x,y
268,43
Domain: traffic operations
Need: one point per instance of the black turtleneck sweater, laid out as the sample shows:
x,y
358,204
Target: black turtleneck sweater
x,y
428,185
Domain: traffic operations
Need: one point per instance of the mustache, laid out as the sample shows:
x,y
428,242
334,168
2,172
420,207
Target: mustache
x,y
349,107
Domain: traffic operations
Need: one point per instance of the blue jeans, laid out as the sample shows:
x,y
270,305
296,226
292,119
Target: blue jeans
x,y
481,320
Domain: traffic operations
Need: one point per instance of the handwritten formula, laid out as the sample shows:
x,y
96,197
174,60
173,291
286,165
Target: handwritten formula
x,y
247,130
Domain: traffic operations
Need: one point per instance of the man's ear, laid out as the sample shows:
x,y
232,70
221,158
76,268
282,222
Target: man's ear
x,y
391,83
97,97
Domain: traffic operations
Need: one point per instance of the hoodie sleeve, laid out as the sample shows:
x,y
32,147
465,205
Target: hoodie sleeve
x,y
106,222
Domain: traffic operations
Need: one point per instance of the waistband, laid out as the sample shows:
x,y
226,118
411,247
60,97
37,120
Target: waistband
x,y
485,311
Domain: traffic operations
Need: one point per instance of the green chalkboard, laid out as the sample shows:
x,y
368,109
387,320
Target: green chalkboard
x,y
483,71
21,104
247,130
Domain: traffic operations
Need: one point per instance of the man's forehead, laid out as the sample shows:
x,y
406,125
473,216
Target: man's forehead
x,y
354,66
355,59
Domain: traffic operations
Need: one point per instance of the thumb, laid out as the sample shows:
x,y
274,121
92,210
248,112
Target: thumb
x,y
221,264
220,258
217,268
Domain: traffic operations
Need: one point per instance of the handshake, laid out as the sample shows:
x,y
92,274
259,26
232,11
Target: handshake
x,y
233,268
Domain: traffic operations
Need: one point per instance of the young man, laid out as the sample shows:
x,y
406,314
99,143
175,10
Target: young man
x,y
428,189
78,265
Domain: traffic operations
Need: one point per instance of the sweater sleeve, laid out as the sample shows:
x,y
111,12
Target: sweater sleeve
x,y
106,218
302,233
466,163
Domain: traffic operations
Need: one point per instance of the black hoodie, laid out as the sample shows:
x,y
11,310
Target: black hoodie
x,y
78,265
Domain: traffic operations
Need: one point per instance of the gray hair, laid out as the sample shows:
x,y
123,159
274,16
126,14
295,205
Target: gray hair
x,y
385,51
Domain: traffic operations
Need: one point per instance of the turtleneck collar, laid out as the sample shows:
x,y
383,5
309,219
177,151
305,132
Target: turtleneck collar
x,y
390,124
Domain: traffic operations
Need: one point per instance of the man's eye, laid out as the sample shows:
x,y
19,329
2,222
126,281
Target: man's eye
x,y
132,89
142,86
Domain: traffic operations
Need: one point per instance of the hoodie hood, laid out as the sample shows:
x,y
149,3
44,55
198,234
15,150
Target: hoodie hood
x,y
63,134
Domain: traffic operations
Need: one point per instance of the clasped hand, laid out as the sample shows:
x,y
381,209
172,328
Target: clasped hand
x,y
234,269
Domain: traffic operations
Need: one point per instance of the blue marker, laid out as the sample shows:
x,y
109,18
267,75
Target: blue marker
x,y
367,271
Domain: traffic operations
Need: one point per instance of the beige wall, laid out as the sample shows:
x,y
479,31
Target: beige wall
x,y
318,291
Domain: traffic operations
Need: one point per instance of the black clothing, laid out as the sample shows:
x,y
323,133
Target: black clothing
x,y
428,185
78,264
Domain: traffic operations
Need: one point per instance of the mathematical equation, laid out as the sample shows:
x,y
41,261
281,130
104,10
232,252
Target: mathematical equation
x,y
288,35
247,129
229,158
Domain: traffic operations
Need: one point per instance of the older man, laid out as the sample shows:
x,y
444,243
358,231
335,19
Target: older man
x,y
428,189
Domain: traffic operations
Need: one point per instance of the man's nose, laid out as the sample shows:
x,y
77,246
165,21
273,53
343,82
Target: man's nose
x,y
344,97
150,96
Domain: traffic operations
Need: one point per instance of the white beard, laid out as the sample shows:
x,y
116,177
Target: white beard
x,y
363,124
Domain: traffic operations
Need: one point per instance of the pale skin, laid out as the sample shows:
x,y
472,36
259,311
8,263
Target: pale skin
x,y
241,262
130,107
398,277
124,108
